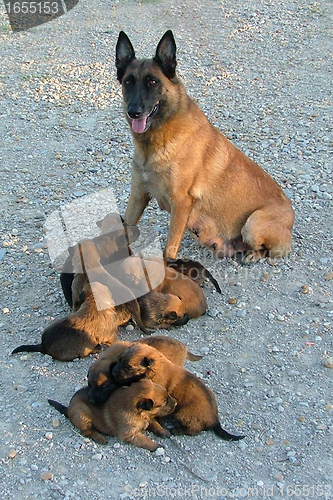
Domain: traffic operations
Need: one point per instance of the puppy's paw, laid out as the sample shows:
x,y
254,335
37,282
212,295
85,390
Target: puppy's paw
x,y
164,433
99,438
252,256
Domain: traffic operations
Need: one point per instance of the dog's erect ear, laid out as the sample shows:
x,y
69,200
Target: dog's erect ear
x,y
145,404
166,54
146,362
124,54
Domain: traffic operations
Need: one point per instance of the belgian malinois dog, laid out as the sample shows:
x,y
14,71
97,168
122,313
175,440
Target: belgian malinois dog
x,y
195,173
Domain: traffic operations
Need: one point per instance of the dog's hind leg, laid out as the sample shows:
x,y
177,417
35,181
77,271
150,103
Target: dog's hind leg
x,y
268,233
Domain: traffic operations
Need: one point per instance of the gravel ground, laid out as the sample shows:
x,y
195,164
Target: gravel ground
x,y
260,70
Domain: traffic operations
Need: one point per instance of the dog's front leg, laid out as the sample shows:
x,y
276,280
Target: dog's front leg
x,y
180,212
138,200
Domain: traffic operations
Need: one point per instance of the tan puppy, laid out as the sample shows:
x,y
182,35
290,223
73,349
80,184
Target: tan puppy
x,y
153,274
87,265
113,244
101,383
196,409
81,333
159,310
125,415
195,173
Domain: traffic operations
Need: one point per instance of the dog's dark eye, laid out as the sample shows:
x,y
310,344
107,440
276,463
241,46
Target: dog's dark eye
x,y
152,82
129,81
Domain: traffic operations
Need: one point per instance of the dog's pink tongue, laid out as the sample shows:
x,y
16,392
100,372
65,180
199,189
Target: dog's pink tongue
x,y
139,125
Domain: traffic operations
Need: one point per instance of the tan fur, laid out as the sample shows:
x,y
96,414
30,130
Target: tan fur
x,y
162,310
126,415
196,409
100,380
205,183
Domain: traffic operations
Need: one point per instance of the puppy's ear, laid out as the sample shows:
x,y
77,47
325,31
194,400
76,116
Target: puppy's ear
x,y
172,315
145,404
124,54
112,365
147,362
166,55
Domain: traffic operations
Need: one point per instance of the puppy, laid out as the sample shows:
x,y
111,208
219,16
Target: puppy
x,y
153,274
196,409
101,382
125,415
159,310
87,266
194,270
113,243
81,333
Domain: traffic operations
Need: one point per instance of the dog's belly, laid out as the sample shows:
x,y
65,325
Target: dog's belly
x,y
158,186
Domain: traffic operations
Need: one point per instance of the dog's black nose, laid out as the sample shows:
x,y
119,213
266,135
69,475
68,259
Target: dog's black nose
x,y
135,112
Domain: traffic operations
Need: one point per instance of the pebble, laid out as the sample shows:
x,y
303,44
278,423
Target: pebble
x,y
2,253
12,454
329,363
301,418
97,456
232,301
242,445
129,328
55,422
5,310
329,276
49,435
321,427
304,289
79,194
46,476
269,442
116,446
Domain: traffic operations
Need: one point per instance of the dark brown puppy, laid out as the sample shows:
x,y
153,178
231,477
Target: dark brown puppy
x,y
125,415
113,243
81,333
195,173
196,409
153,274
194,270
159,310
101,382
87,265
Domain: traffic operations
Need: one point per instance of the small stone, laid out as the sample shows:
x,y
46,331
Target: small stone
x,y
58,156
12,454
166,459
269,442
321,427
34,467
2,253
280,318
159,452
212,313
97,456
241,445
49,435
232,301
143,484
55,422
328,406
278,477
46,476
329,363
260,483
304,289
5,310
329,276
79,194
129,328
301,418
116,446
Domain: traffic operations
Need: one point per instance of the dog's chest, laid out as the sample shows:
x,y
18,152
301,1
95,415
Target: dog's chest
x,y
158,179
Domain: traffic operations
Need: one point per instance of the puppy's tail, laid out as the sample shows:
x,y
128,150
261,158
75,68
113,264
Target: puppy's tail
x,y
224,434
193,357
28,348
58,406
194,270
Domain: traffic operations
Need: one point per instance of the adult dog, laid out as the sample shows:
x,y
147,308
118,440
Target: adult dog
x,y
207,185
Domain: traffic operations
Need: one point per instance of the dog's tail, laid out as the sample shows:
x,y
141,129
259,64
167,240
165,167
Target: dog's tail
x,y
58,406
194,270
225,434
193,357
28,348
